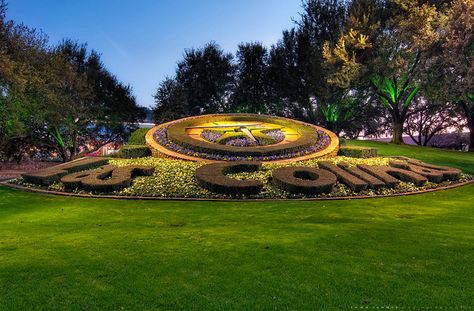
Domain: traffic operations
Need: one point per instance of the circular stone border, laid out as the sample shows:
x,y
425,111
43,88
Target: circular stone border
x,y
122,197
160,151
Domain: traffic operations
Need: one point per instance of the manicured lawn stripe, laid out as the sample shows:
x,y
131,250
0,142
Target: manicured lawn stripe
x,y
99,254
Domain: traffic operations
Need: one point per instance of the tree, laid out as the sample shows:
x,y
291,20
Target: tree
x,y
24,61
170,100
206,75
297,77
390,52
251,94
92,107
452,68
431,120
289,91
61,99
396,95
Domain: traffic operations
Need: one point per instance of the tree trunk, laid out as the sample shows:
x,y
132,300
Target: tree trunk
x,y
397,137
471,136
63,154
469,112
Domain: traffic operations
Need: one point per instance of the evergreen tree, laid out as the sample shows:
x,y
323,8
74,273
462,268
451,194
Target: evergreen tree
x,y
250,94
207,76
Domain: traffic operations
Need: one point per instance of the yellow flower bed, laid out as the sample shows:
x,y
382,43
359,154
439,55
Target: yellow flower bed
x,y
175,178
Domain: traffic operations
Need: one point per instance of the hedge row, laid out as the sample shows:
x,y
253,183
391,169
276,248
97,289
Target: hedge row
x,y
212,177
137,137
357,152
309,180
430,171
302,179
53,174
134,151
345,177
120,177
372,181
107,178
392,176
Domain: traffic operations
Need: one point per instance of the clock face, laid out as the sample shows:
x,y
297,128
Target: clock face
x,y
243,133
237,137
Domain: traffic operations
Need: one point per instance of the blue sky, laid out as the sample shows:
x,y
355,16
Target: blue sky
x,y
141,40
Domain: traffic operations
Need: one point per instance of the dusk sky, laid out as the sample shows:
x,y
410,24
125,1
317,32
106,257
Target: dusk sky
x,y
141,41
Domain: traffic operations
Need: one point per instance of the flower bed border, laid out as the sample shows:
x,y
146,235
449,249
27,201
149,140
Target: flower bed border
x,y
122,197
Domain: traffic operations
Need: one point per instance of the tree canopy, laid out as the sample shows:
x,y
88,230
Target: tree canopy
x,y
57,98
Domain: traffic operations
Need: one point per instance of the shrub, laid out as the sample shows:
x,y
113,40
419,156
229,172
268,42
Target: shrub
x,y
137,137
120,177
74,180
373,181
344,176
434,173
53,174
303,179
357,152
212,177
391,176
134,151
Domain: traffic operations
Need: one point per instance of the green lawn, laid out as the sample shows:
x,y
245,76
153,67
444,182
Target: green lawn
x,y
86,254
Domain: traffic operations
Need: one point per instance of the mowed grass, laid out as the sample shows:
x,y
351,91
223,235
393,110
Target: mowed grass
x,y
88,254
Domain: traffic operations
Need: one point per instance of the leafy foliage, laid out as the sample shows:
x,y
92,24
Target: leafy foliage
x,y
251,92
60,99
134,151
137,137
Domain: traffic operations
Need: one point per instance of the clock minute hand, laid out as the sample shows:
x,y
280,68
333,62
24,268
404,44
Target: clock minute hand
x,y
248,133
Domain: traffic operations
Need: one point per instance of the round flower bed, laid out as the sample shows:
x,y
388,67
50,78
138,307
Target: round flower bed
x,y
237,137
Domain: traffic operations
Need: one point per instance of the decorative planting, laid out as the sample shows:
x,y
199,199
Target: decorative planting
x,y
213,178
372,181
53,174
241,137
357,152
134,151
353,182
306,180
392,176
107,180
169,178
74,180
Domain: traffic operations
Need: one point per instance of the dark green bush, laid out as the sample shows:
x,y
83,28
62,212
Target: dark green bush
x,y
392,176
135,151
53,174
357,152
74,180
137,137
109,180
353,182
303,179
212,177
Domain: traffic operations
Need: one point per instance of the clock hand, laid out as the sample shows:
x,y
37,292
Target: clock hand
x,y
248,133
